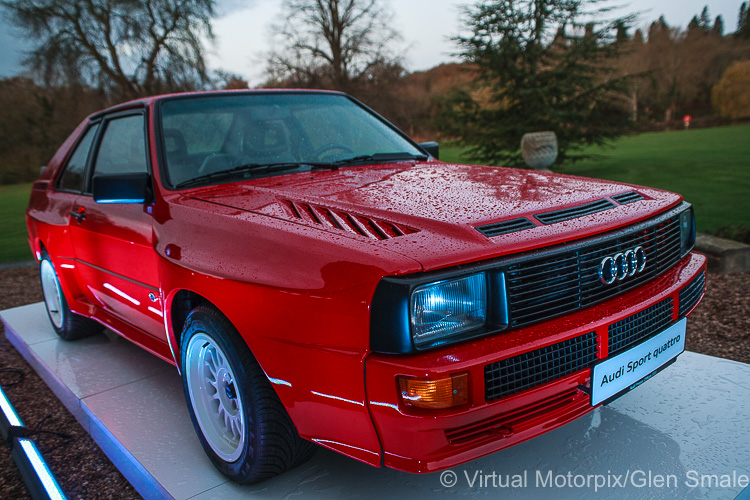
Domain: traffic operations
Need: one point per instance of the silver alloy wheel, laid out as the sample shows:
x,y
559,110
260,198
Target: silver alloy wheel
x,y
214,396
52,293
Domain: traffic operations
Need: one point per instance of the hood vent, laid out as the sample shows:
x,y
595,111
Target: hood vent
x,y
574,212
629,197
505,227
370,227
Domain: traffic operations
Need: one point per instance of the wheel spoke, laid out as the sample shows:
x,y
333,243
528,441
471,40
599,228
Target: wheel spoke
x,y
210,362
237,427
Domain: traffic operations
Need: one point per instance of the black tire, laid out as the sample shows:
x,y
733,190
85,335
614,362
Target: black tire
x,y
269,443
67,324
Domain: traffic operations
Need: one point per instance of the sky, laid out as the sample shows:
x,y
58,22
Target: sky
x,y
425,26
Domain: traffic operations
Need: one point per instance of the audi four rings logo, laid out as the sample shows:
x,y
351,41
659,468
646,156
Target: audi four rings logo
x,y
622,265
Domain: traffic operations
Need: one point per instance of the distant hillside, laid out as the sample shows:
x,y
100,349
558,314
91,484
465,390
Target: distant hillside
x,y
415,104
441,79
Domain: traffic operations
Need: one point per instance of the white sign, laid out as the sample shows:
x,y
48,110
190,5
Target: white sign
x,y
628,369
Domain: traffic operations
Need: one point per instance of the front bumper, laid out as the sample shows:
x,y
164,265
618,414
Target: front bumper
x,y
417,440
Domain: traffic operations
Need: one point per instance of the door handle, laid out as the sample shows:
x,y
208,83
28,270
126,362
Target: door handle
x,y
79,215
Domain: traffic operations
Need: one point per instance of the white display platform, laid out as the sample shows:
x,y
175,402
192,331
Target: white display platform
x,y
689,423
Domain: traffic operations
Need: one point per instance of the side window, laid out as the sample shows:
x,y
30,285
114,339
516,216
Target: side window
x,y
72,177
123,147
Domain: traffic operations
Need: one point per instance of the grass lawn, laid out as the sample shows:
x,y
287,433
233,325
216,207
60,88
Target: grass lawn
x,y
709,167
13,243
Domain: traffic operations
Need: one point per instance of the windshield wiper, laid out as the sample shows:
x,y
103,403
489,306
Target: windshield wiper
x,y
262,168
380,157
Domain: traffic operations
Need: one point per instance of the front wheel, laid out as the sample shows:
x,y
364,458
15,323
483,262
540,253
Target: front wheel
x,y
241,424
67,324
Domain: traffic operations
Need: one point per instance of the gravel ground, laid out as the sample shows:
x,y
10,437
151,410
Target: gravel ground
x,y
720,326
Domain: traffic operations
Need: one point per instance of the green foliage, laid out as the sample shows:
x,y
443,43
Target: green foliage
x,y
13,238
730,96
709,167
540,69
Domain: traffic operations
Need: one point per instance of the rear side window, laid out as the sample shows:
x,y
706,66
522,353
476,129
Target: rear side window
x,y
72,177
123,147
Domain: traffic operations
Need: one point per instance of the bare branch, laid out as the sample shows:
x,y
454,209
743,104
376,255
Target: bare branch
x,y
335,42
130,47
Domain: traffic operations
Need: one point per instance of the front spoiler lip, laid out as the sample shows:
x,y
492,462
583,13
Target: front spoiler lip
x,y
415,441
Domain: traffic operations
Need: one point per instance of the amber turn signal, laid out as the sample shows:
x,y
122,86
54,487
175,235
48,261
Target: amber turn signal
x,y
435,393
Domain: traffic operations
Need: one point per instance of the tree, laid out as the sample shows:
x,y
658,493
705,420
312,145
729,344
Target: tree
x,y
638,37
542,65
660,30
621,35
718,27
694,25
743,23
701,25
705,19
128,47
335,44
35,121
730,96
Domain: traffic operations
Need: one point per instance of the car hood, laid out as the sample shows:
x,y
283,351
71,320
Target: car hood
x,y
430,211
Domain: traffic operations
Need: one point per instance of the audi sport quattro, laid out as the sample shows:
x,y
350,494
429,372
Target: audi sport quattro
x,y
318,278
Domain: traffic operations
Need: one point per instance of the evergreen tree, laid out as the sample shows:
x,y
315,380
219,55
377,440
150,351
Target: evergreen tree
x,y
718,27
622,32
529,82
743,24
638,37
694,25
658,30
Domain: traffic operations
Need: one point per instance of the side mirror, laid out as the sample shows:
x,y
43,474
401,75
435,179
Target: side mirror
x,y
122,188
432,148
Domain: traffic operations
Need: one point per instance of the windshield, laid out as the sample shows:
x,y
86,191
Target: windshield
x,y
209,138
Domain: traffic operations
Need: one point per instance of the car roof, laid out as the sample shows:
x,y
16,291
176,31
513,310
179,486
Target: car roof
x,y
147,101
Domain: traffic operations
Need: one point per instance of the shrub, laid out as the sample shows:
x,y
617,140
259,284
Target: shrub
x,y
730,96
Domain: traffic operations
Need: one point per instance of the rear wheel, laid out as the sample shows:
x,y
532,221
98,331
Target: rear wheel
x,y
242,425
67,324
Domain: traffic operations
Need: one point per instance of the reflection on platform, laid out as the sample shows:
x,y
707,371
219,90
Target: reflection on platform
x,y
685,427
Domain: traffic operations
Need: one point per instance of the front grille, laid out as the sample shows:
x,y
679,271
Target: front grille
x,y
534,368
505,227
690,295
520,419
564,282
574,212
629,197
640,326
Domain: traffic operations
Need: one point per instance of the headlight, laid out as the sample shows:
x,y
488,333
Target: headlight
x,y
448,307
687,231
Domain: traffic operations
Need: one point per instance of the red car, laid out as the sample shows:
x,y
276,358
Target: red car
x,y
317,277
